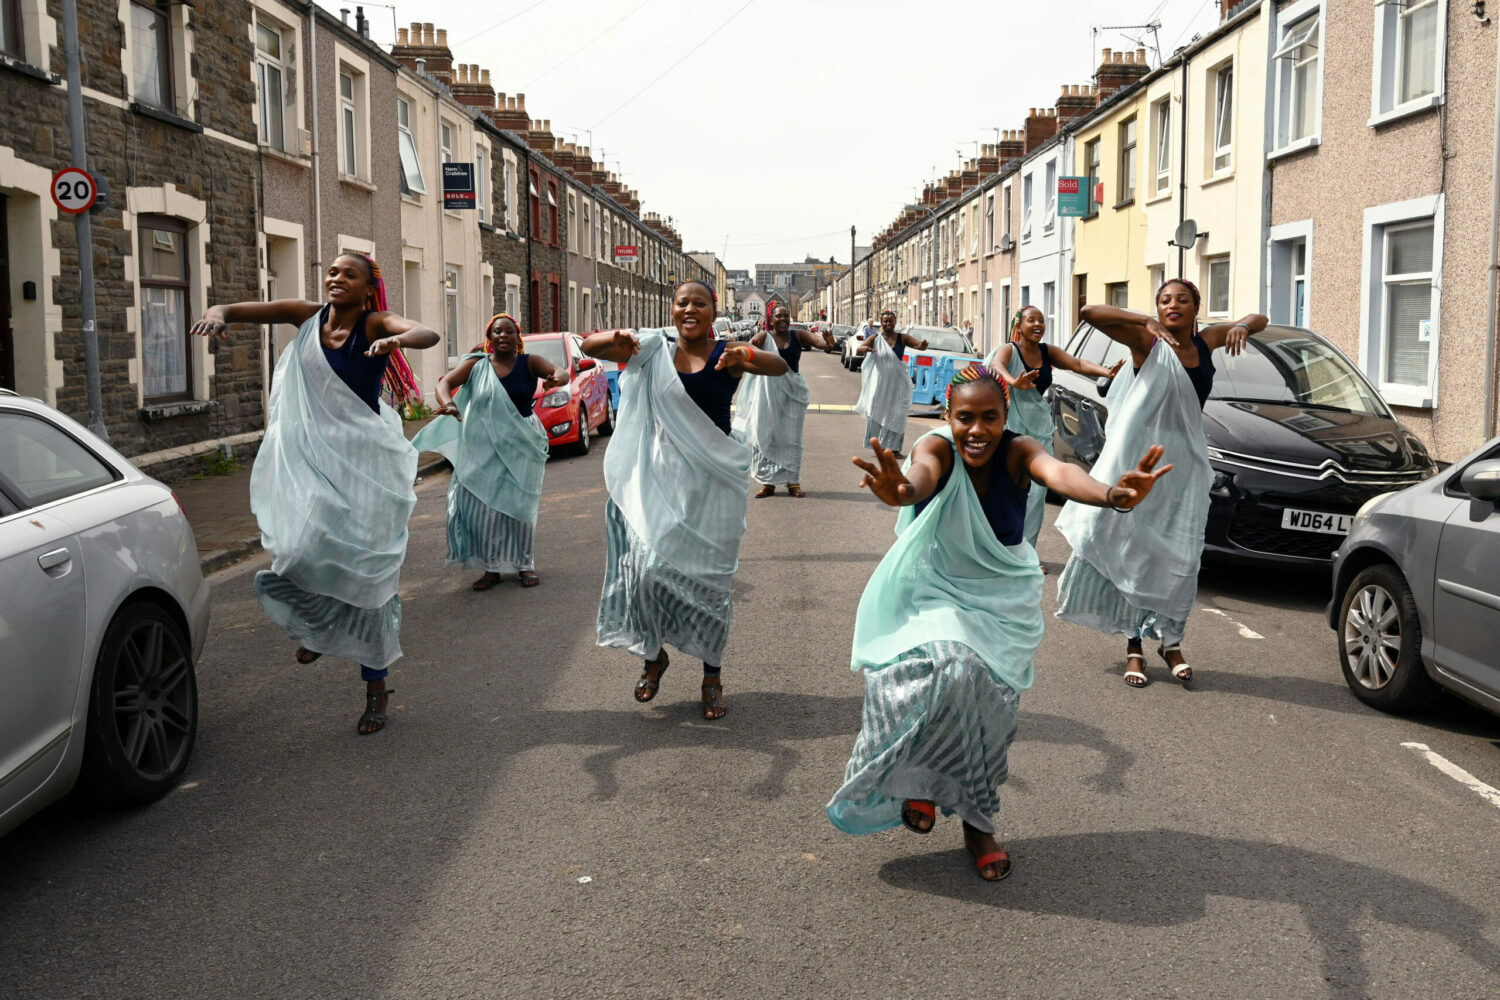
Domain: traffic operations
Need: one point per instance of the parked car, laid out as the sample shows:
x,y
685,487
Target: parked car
x,y
103,614
572,414
1416,593
723,329
841,333
940,340
1297,436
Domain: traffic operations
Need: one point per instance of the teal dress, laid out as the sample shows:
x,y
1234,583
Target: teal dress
x,y
1031,415
946,634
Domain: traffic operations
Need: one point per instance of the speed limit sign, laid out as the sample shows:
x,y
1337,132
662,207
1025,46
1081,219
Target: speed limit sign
x,y
74,190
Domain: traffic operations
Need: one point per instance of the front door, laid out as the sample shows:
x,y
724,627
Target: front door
x,y
7,336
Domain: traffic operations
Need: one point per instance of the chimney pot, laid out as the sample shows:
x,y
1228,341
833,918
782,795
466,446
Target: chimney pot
x,y
1119,57
1140,56
484,77
1106,55
442,38
401,36
546,124
426,32
416,32
520,102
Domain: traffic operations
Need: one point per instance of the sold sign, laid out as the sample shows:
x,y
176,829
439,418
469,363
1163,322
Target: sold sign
x,y
74,190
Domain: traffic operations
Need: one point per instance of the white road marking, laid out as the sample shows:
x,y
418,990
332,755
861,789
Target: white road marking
x,y
1458,774
1246,632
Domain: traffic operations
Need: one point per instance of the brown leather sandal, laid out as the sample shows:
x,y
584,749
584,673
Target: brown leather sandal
x,y
713,699
650,682
765,491
305,655
795,490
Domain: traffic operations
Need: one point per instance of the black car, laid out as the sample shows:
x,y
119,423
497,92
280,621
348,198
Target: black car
x,y
1298,439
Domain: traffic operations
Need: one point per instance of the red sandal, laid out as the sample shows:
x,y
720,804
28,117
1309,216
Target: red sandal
x,y
985,860
912,808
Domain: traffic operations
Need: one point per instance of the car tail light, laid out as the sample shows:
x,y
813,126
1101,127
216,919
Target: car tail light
x,y
180,507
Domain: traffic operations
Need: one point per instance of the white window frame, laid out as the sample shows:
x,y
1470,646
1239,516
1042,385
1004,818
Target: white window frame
x,y
1281,277
1209,311
1372,298
573,240
452,310
446,132
586,232
509,185
265,64
1049,196
184,85
1294,22
482,181
989,222
1386,68
1005,211
1028,195
1221,132
1161,135
406,141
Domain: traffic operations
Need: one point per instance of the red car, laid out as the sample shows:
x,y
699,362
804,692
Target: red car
x,y
572,415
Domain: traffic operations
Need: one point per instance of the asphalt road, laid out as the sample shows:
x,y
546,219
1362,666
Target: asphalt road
x,y
523,828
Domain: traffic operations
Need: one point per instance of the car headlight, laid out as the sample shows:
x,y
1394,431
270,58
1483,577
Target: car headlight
x,y
1370,505
555,399
557,430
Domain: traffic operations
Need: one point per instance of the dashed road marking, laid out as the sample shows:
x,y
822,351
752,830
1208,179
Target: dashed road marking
x,y
1458,774
1246,632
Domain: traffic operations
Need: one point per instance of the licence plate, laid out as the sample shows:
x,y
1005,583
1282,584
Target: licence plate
x,y
1316,521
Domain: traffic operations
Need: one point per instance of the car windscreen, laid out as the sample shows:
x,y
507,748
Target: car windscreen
x,y
941,340
550,349
1293,367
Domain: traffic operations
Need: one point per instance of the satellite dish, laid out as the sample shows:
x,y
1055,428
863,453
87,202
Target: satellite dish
x,y
1187,234
1006,244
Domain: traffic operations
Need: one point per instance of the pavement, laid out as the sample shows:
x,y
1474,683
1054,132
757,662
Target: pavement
x,y
523,828
218,508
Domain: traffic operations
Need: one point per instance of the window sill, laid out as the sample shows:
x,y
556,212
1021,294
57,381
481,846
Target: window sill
x,y
1405,110
1217,179
165,117
411,200
1415,397
151,412
486,227
358,182
1092,213
1157,199
1295,147
280,154
24,68
1124,204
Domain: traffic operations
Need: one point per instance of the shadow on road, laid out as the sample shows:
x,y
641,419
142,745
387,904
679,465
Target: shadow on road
x,y
1289,590
1119,877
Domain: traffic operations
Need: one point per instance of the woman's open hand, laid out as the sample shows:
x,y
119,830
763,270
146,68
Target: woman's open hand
x,y
1160,332
384,345
1115,369
448,409
734,354
1134,485
556,380
886,479
626,339
212,324
1027,380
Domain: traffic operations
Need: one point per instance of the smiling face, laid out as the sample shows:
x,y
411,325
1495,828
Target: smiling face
x,y
1175,308
503,337
781,319
693,311
976,415
888,323
347,281
1030,326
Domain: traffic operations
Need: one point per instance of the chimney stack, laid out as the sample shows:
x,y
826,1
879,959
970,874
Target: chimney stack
x,y
1076,101
421,49
1118,70
1041,125
473,87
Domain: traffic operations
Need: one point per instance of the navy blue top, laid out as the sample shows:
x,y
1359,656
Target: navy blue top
x,y
712,390
793,353
900,345
1202,374
1004,505
520,384
1044,373
361,374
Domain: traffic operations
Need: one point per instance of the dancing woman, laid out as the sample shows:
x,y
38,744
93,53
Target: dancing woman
x,y
1025,364
676,480
1139,576
331,487
885,384
949,623
772,410
498,449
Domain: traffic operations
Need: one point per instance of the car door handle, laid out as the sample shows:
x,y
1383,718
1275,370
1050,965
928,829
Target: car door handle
x,y
55,558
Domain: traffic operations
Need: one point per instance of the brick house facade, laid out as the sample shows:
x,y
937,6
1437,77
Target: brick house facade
x,y
170,131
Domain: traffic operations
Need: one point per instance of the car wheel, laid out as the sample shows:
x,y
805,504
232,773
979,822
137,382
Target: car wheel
x,y
143,709
1380,642
608,427
582,447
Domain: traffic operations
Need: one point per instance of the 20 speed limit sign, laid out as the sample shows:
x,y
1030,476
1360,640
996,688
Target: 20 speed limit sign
x,y
74,190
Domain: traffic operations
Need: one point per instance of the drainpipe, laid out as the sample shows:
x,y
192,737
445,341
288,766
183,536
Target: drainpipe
x,y
1182,185
530,237
317,167
1487,418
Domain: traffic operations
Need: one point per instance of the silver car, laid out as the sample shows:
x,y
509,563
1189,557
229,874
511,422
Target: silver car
x,y
103,612
1416,590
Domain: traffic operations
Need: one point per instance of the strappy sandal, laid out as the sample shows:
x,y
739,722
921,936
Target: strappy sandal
x,y
649,684
912,808
766,491
528,579
1182,671
713,699
983,861
1136,676
486,582
374,716
305,655
795,490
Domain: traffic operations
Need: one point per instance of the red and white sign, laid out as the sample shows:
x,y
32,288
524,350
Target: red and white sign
x,y
627,253
1067,185
74,190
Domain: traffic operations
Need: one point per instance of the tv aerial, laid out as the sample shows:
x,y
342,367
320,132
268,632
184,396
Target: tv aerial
x,y
1154,27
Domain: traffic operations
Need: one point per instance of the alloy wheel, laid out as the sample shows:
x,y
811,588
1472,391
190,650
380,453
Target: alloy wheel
x,y
153,699
1372,636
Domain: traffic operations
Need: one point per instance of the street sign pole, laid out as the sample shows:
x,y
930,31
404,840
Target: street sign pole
x,y
83,230
851,276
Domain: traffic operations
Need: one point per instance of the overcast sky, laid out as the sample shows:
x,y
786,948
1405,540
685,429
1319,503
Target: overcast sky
x,y
784,122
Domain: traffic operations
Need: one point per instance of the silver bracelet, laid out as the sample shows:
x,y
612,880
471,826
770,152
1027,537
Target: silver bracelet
x,y
1111,503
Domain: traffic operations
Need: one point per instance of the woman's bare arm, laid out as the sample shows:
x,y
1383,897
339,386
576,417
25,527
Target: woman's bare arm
x,y
217,319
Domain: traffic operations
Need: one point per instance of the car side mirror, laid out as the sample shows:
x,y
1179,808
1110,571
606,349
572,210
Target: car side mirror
x,y
1482,482
586,364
